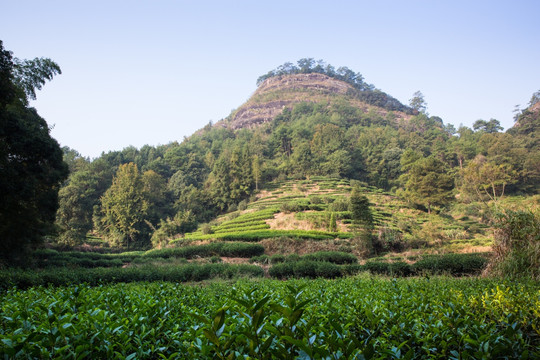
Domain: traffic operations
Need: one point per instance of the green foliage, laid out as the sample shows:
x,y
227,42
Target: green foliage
x,y
517,245
305,268
257,235
168,229
23,279
428,183
227,249
124,204
453,264
333,223
360,209
335,257
356,317
30,159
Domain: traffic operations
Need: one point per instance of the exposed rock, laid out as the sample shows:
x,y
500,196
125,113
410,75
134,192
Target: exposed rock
x,y
280,92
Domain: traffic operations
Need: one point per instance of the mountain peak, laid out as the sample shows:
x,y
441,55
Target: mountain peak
x,y
276,93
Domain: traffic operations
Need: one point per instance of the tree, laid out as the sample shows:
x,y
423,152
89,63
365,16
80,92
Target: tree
x,y
489,127
418,103
31,161
124,204
360,209
256,169
485,179
77,200
428,183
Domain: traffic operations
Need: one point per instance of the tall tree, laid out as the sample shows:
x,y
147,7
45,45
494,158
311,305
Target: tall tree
x,y
484,179
490,127
31,161
418,103
360,209
256,168
124,204
428,183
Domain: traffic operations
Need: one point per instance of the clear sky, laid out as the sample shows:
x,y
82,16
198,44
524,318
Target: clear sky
x,y
152,72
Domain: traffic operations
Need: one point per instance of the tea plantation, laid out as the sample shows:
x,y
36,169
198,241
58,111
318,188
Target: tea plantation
x,y
361,317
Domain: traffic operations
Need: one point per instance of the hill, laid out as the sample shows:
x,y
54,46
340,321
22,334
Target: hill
x,y
303,123
285,91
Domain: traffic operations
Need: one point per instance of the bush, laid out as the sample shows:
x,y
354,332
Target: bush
x,y
229,249
453,264
277,258
335,257
305,268
340,204
206,229
517,245
23,279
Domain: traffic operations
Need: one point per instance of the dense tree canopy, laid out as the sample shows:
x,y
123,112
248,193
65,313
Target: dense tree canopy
x,y
31,161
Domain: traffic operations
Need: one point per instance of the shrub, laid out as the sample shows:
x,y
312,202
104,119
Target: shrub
x,y
206,229
242,205
282,271
391,269
453,264
277,258
305,268
388,240
227,249
340,204
517,245
61,277
335,257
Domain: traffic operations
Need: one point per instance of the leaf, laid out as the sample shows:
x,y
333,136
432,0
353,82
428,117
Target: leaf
x,y
131,356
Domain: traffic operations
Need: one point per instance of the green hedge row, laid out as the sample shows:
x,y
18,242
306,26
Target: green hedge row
x,y
242,227
451,264
258,235
335,257
49,257
305,268
232,249
454,264
62,276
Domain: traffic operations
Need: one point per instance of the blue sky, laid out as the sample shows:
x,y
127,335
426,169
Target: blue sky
x,y
152,72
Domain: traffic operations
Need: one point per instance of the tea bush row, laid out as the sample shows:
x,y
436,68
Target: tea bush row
x,y
227,249
258,235
450,264
242,227
23,279
336,257
354,318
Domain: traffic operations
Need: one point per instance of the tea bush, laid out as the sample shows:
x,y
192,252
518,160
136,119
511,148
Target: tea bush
x,y
354,318
335,257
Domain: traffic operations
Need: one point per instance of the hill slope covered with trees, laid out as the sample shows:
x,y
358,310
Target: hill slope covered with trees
x,y
321,122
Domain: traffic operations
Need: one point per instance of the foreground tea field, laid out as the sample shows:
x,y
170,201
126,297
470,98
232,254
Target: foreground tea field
x,y
360,317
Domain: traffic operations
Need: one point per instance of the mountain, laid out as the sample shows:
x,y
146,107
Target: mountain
x,y
304,122
281,92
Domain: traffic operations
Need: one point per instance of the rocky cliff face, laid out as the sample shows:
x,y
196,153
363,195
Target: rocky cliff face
x,y
280,92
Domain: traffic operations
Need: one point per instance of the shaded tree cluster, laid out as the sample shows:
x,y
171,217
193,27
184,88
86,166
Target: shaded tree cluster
x,y
31,161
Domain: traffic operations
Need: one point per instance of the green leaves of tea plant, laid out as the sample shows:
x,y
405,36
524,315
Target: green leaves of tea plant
x,y
354,318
